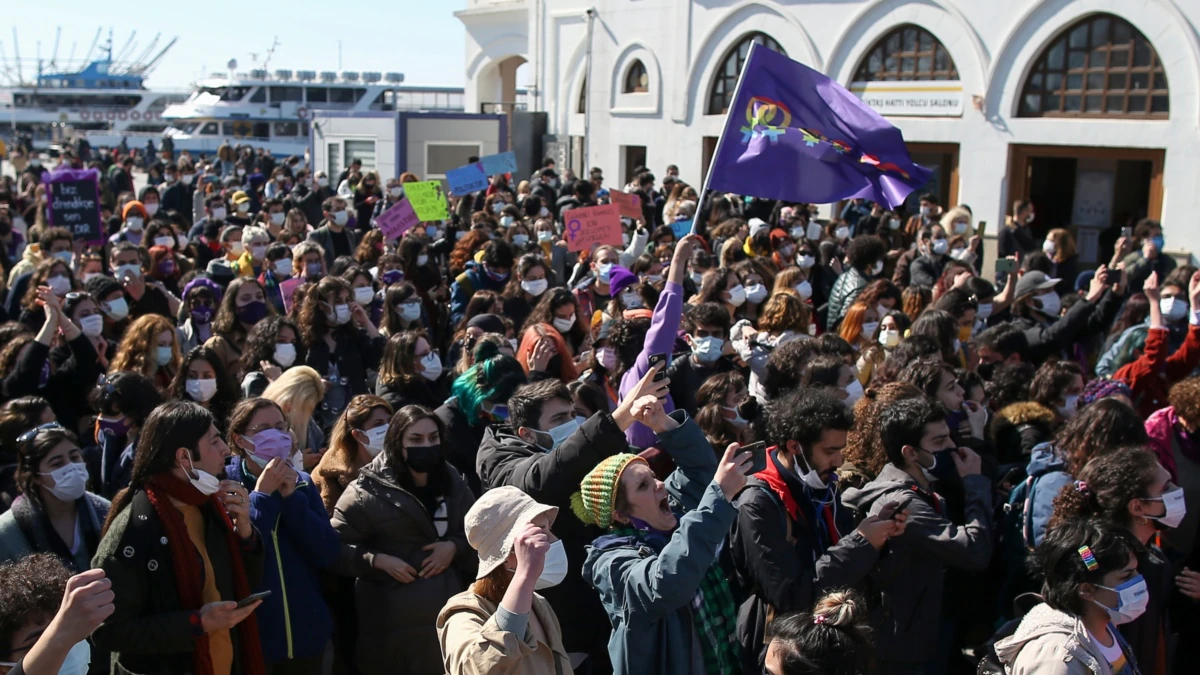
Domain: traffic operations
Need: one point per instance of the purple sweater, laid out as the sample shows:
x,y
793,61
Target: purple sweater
x,y
660,339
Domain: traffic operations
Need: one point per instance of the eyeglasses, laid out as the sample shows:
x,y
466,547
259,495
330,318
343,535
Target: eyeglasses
x,y
77,295
28,436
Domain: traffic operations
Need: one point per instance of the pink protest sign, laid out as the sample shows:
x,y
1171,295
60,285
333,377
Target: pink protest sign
x,y
589,227
287,290
629,205
397,220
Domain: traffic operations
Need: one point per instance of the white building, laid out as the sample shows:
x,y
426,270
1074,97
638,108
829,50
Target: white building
x,y
1089,107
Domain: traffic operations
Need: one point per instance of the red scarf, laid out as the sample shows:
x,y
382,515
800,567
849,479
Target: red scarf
x,y
189,568
775,481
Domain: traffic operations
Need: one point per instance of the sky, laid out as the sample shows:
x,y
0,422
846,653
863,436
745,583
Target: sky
x,y
421,39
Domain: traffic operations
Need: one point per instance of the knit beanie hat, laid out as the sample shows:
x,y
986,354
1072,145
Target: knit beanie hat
x,y
619,279
597,495
1100,388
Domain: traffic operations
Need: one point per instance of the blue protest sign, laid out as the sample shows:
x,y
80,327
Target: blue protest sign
x,y
682,228
504,162
467,179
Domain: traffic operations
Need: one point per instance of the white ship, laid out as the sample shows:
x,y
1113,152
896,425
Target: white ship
x,y
273,110
104,98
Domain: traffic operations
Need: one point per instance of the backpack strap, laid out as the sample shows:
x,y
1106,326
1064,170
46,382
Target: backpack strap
x,y
1027,513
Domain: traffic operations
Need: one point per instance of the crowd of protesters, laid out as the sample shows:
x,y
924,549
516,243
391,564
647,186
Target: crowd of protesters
x,y
247,432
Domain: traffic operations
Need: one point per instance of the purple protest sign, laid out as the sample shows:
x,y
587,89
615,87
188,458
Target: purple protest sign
x,y
397,220
73,202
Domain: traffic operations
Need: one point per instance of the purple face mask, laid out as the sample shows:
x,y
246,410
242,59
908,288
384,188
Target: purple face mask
x,y
166,267
271,444
391,277
202,315
252,313
115,428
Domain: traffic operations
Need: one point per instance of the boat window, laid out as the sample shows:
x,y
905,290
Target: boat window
x,y
262,129
260,95
286,94
341,95
287,129
210,129
318,95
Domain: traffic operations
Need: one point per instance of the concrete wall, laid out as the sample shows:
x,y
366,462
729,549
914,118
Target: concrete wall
x,y
682,44
329,129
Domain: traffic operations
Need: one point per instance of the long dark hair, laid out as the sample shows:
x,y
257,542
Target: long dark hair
x,y
243,413
226,323
400,423
551,301
227,393
260,344
313,319
172,425
31,453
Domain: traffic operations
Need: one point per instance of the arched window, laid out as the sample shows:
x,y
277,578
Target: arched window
x,y
721,94
582,107
907,52
1100,67
637,80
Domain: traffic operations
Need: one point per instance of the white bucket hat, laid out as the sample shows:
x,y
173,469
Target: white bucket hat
x,y
493,521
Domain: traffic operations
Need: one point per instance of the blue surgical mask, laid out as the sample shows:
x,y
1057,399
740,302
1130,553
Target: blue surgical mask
x,y
558,434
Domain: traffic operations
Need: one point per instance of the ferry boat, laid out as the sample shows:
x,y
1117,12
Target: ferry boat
x,y
273,111
104,99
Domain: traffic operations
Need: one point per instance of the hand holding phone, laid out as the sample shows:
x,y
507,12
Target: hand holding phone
x,y
250,599
659,359
892,509
758,453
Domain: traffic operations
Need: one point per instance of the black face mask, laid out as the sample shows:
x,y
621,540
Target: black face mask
x,y
554,365
987,370
423,458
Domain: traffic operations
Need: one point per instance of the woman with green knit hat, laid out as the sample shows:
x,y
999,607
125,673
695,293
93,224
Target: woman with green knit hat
x,y
671,607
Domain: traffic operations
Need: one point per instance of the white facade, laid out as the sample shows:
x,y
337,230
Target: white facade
x,y
682,44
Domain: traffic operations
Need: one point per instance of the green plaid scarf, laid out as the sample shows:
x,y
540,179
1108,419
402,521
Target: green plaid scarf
x,y
714,611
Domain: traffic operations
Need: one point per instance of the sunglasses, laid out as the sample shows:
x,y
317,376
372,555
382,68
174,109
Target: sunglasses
x,y
28,436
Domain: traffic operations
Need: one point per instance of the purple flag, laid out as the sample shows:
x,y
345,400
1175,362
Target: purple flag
x,y
796,135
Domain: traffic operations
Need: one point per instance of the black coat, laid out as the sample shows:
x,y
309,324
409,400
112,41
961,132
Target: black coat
x,y
782,565
148,632
62,388
462,441
353,354
550,478
686,377
421,392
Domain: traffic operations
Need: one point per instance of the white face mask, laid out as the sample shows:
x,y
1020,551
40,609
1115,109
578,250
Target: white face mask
x,y
631,299
237,248
984,310
756,293
283,267
520,239
258,252
188,178
1049,248
707,349
70,481
854,391
563,325
889,338
554,569
804,289
1051,304
558,434
928,471
151,208
1132,598
806,261
78,659
410,311
940,246
59,285
323,181
603,271
814,232
506,221
277,218
395,190
363,295
162,355
218,213
1173,309
201,390
117,309
167,242
894,224
422,260
206,483
869,328
1176,507
341,315
960,228
432,366
1069,406
877,268
285,354
134,224
842,233
340,217
534,287
243,207
737,295
92,325
374,444
960,253
804,470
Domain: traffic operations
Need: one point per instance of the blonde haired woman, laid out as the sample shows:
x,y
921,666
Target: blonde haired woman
x,y
297,392
957,223
150,346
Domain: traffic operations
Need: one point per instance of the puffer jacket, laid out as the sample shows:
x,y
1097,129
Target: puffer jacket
x,y
845,290
396,621
475,643
1051,642
910,579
